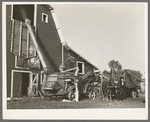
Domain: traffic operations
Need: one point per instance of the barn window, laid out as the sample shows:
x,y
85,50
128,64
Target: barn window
x,y
44,18
81,67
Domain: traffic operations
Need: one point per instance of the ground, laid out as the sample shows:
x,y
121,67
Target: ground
x,y
39,103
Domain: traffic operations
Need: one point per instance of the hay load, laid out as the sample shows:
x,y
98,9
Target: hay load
x,y
131,78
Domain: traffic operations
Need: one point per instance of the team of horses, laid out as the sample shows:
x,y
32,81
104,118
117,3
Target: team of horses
x,y
110,90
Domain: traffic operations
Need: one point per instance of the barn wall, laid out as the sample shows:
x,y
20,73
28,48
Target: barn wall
x,y
52,52
87,66
49,41
48,38
10,57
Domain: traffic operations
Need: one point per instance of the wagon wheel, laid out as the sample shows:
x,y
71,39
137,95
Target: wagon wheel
x,y
71,95
133,94
93,94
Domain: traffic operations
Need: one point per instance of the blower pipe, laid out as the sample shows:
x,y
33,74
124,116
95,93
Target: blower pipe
x,y
42,57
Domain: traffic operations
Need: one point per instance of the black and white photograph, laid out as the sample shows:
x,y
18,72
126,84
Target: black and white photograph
x,y
75,60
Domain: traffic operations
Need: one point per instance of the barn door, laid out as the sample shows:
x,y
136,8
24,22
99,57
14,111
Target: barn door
x,y
34,84
17,81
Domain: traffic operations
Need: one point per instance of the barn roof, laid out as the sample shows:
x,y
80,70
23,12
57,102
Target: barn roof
x,y
69,48
61,36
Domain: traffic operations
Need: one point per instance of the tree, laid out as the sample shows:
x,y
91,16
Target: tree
x,y
115,65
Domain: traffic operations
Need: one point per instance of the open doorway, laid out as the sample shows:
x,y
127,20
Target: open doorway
x,y
20,83
25,84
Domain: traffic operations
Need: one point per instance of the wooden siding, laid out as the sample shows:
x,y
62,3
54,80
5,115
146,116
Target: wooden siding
x,y
48,38
87,66
10,57
49,41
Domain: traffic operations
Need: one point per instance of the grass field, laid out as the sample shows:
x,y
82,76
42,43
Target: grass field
x,y
39,103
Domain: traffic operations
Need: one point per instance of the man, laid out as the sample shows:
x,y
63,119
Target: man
x,y
121,90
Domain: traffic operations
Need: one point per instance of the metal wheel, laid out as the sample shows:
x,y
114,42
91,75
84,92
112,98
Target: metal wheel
x,y
93,94
133,94
71,95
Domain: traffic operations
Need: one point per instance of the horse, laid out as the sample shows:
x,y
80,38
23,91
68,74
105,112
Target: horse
x,y
105,90
109,89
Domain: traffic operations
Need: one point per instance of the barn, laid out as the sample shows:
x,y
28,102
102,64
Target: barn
x,y
24,64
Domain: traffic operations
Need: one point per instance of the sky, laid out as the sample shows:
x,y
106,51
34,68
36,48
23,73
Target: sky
x,y
103,32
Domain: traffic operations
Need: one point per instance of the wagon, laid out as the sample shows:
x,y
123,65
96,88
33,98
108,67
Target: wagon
x,y
122,81
130,89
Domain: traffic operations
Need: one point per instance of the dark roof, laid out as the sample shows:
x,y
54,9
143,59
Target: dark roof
x,y
49,7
